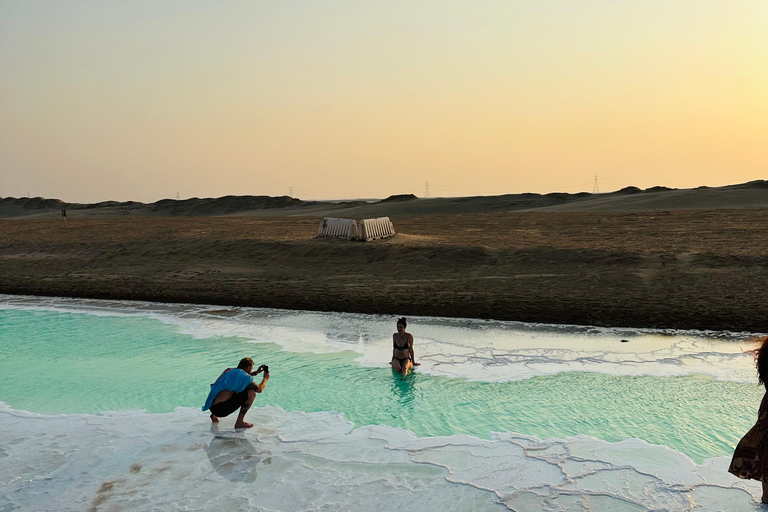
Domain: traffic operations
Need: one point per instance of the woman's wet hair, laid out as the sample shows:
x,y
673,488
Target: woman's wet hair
x,y
761,360
402,321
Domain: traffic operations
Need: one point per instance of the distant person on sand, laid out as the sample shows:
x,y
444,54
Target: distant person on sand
x,y
235,389
402,354
750,459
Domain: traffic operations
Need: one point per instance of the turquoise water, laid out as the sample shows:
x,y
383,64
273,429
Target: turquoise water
x,y
61,362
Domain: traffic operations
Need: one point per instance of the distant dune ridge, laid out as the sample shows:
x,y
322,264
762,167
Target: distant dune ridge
x,y
753,194
195,207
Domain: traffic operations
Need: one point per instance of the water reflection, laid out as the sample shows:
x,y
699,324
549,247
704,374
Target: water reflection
x,y
404,389
233,456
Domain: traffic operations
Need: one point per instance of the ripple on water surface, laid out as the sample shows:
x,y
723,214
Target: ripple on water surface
x,y
113,363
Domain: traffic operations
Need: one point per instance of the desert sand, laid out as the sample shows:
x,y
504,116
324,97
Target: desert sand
x,y
668,268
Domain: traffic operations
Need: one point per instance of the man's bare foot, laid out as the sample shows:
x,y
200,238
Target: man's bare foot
x,y
242,424
214,418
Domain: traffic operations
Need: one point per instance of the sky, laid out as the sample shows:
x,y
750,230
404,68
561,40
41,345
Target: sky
x,y
146,99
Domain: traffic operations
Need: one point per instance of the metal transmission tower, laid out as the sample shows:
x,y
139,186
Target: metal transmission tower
x,y
595,189
426,189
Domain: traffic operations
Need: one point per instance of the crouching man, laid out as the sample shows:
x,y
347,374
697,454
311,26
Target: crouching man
x,y
235,389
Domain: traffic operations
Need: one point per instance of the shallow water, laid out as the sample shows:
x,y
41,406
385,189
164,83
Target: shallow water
x,y
499,415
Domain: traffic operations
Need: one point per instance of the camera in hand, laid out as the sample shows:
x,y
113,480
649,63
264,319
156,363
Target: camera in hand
x,y
266,369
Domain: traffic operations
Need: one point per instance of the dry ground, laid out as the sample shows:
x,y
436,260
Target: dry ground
x,y
682,269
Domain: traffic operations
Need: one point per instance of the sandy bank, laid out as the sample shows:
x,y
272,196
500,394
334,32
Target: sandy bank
x,y
679,269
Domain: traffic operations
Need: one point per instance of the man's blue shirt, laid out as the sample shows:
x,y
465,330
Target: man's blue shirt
x,y
234,380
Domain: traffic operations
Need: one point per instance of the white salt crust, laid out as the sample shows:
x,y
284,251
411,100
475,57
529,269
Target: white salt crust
x,y
319,461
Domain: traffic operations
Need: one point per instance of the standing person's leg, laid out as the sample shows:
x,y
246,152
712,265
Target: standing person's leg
x,y
765,492
240,423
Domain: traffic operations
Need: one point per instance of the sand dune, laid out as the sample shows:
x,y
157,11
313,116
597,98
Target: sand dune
x,y
694,258
748,195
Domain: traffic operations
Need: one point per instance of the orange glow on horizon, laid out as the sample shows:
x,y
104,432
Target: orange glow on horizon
x,y
347,100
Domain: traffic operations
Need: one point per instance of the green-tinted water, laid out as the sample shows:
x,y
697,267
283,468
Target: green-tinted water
x,y
78,363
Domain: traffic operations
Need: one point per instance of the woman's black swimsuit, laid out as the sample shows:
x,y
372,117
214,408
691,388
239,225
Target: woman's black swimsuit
x,y
401,360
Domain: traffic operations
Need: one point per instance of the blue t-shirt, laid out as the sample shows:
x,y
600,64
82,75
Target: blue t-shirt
x,y
234,380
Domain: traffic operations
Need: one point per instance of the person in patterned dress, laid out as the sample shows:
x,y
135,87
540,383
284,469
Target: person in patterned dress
x,y
750,459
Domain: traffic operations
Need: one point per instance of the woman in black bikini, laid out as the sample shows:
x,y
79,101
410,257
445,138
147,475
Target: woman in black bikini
x,y
402,353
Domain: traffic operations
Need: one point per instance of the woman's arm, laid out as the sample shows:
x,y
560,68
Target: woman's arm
x,y
410,350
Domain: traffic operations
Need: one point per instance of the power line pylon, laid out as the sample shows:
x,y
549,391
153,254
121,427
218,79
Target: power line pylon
x,y
595,188
426,189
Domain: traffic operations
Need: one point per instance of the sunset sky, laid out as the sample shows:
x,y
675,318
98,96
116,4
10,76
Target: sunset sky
x,y
141,99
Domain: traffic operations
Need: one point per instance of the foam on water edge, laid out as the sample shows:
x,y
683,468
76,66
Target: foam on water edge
x,y
319,461
496,352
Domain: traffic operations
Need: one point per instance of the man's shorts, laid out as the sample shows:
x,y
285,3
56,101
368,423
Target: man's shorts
x,y
227,407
